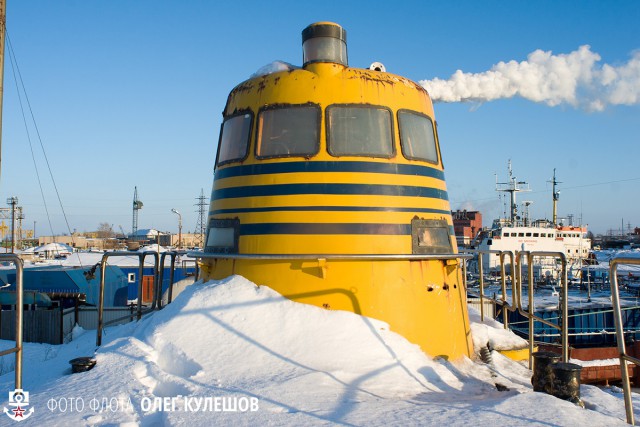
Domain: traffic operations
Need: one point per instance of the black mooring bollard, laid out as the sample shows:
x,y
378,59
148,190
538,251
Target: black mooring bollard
x,y
82,364
542,378
566,382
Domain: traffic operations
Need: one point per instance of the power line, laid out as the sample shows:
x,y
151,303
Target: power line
x,y
200,228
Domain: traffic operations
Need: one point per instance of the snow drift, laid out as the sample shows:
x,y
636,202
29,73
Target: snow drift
x,y
267,360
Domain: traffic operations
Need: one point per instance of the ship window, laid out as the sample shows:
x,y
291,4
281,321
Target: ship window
x,y
417,137
222,236
543,234
234,138
528,234
431,236
520,234
359,131
535,235
291,131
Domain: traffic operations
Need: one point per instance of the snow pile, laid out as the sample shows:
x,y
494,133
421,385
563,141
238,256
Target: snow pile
x,y
273,67
232,353
491,333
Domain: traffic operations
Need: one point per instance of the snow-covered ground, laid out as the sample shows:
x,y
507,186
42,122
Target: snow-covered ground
x,y
231,353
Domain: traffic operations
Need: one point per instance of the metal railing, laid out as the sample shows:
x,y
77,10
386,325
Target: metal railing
x,y
158,278
346,257
516,293
17,261
141,256
173,255
617,316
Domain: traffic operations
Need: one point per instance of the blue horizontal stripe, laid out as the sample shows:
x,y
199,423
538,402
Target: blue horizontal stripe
x,y
324,228
327,209
326,189
334,166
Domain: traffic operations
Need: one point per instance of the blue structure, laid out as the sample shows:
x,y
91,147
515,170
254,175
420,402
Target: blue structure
x,y
66,281
587,326
131,273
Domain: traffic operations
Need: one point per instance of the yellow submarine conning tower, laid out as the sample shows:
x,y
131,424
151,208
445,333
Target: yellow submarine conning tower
x,y
329,188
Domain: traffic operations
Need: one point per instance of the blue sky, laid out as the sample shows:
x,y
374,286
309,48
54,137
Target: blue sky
x,y
130,93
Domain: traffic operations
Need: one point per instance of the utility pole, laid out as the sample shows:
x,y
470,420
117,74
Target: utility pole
x,y
179,228
3,28
201,218
13,201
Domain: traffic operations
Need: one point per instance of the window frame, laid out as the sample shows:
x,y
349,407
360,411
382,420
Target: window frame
x,y
246,154
435,136
272,107
368,106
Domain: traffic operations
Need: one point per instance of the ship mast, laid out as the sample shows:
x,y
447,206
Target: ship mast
x,y
512,187
556,197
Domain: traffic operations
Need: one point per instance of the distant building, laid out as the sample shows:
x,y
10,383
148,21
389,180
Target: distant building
x,y
466,225
142,237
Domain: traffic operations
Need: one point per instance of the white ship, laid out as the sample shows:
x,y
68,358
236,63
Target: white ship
x,y
519,233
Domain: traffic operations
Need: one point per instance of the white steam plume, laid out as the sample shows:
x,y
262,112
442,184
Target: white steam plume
x,y
576,79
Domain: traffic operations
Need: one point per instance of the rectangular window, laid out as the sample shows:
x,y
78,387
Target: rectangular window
x,y
417,137
430,236
359,131
520,234
291,131
528,234
535,235
234,138
223,235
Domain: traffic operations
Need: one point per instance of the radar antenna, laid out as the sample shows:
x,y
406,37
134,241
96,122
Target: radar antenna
x,y
556,197
512,187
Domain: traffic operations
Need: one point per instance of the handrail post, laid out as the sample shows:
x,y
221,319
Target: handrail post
x,y
19,263
103,264
171,277
19,319
158,294
140,276
503,286
518,282
617,316
565,310
481,285
157,289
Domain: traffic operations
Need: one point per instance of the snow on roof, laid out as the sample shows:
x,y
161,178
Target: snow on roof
x,y
54,247
153,248
286,363
146,232
273,67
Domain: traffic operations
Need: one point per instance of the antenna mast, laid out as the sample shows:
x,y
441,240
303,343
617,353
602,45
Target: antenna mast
x,y
556,197
512,187
137,205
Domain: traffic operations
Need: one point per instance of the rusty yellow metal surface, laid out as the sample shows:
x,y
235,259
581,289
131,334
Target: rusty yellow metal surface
x,y
424,301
